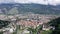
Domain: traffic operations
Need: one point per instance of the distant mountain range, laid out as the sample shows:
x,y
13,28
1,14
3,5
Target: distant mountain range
x,y
17,8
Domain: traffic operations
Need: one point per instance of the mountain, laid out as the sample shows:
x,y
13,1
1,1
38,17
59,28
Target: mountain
x,y
17,8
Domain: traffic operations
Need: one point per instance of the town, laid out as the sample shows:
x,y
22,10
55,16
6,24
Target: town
x,y
21,23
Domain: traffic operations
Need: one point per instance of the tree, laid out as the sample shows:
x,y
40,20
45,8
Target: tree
x,y
1,32
55,23
35,30
3,23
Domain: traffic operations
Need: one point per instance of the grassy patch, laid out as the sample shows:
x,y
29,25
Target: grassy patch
x,y
46,32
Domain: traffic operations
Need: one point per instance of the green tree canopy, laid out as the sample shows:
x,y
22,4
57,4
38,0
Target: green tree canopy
x,y
56,24
3,23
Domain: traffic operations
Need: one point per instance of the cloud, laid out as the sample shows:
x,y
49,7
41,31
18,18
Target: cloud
x,y
32,1
22,1
46,2
6,1
54,2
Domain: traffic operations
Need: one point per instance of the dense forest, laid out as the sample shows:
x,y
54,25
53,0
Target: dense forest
x,y
55,23
3,23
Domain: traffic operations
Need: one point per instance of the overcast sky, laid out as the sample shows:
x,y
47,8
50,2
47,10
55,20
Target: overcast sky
x,y
46,2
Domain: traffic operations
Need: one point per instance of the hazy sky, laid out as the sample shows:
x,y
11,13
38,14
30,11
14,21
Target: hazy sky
x,y
46,2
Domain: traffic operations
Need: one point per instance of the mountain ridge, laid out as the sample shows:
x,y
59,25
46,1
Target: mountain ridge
x,y
34,8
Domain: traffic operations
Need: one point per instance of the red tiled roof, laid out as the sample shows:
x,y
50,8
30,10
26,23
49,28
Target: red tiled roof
x,y
28,23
